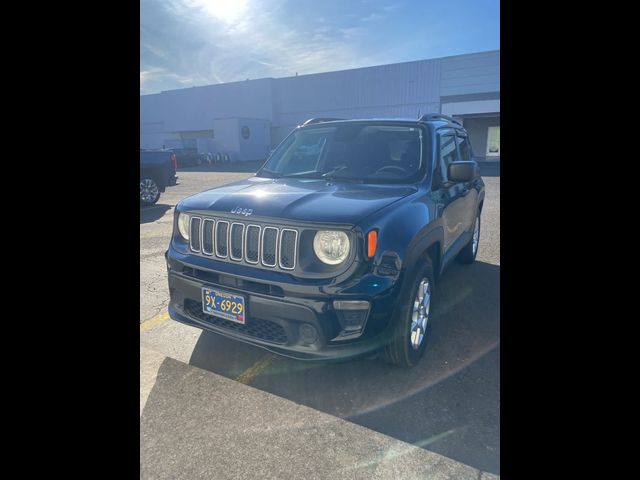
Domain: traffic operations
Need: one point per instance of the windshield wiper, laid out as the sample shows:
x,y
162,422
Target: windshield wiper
x,y
301,175
330,175
273,174
270,173
333,178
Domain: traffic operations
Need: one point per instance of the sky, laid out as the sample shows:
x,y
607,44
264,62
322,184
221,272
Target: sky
x,y
186,43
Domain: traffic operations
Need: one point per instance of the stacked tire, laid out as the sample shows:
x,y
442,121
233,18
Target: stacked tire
x,y
221,157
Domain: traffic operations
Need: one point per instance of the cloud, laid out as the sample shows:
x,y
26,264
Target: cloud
x,y
391,7
371,17
184,44
351,33
146,75
155,75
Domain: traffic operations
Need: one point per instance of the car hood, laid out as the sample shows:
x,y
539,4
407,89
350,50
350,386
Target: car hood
x,y
308,200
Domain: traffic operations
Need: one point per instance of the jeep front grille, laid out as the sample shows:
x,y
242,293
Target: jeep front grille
x,y
222,239
237,232
252,244
269,246
207,236
264,245
194,234
287,248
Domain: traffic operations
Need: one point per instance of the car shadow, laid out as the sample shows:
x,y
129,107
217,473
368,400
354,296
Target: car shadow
x,y
238,167
449,403
153,213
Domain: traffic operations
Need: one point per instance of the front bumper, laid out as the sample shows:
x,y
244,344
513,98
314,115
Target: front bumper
x,y
279,313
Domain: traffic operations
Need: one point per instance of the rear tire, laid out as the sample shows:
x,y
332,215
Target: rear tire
x,y
468,253
411,331
149,191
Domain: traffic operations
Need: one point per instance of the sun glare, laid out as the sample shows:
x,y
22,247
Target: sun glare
x,y
228,11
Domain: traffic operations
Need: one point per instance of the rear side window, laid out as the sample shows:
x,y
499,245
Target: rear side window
x,y
464,146
447,152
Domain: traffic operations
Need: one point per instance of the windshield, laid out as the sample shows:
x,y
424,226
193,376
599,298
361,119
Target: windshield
x,y
350,152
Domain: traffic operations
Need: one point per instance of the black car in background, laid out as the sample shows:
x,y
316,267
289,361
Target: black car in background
x,y
333,249
157,171
188,157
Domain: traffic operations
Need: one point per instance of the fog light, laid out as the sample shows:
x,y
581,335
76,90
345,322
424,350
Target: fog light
x,y
308,333
352,315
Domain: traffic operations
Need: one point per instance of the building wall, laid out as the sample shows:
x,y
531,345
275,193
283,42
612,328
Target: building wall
x,y
397,90
402,90
257,146
227,136
196,108
470,74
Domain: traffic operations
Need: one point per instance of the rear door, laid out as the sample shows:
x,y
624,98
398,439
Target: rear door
x,y
450,194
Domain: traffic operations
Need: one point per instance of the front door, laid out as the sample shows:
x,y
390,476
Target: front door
x,y
451,194
469,192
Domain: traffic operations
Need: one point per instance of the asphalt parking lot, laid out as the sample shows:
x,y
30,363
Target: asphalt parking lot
x,y
449,404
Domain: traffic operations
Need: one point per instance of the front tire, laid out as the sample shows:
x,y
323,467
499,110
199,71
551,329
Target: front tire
x,y
149,191
412,320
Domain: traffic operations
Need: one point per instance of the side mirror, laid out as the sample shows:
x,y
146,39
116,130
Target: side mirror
x,y
466,171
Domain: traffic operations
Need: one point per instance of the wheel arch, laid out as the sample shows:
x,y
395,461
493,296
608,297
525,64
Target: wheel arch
x,y
429,244
480,201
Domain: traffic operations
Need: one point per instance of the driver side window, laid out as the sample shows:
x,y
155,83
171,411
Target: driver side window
x,y
465,147
447,153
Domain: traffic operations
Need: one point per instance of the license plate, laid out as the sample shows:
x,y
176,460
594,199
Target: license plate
x,y
224,305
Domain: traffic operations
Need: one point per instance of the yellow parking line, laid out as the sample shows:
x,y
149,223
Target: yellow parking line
x,y
251,372
245,377
154,321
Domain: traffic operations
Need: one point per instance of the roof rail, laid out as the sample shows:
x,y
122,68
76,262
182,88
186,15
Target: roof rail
x,y
320,120
438,116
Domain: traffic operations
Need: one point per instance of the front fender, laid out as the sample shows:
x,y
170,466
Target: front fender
x,y
405,232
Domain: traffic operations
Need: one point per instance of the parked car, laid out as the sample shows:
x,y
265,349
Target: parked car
x,y
334,248
188,157
157,171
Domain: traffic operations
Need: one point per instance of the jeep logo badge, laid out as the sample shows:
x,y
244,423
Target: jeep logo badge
x,y
242,211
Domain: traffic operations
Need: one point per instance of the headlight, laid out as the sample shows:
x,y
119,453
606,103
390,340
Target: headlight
x,y
332,247
183,225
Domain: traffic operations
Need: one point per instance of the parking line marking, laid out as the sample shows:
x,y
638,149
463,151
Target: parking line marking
x,y
255,369
154,321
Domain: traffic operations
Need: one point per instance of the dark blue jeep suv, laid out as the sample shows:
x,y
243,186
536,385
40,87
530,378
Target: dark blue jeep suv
x,y
333,249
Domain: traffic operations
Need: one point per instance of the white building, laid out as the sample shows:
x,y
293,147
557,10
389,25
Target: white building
x,y
248,118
